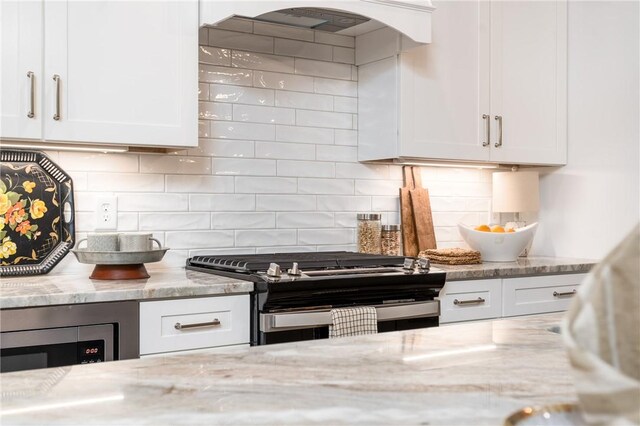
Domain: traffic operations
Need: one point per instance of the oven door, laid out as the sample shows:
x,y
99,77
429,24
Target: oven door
x,y
310,324
26,350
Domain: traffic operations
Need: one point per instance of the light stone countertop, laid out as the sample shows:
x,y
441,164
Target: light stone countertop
x,y
60,289
475,373
532,265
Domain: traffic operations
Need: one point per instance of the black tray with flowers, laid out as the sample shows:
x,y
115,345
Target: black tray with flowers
x,y
36,213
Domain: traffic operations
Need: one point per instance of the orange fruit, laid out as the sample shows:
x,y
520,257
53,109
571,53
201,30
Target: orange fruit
x,y
510,230
483,228
497,228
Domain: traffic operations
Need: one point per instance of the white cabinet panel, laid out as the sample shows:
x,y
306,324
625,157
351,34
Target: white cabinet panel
x,y
445,86
21,69
470,300
528,81
487,59
221,321
128,72
535,295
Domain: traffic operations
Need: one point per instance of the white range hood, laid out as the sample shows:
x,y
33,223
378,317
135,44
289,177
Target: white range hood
x,y
410,17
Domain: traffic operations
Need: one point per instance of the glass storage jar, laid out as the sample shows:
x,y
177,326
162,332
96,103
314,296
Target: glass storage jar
x,y
390,240
369,233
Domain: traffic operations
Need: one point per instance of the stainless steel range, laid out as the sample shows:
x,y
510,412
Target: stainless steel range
x,y
295,292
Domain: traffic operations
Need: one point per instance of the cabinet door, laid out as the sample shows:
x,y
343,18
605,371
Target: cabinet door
x,y
21,69
470,300
127,72
529,81
185,324
445,86
537,295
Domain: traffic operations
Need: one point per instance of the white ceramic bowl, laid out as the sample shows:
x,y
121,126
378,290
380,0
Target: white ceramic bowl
x,y
498,246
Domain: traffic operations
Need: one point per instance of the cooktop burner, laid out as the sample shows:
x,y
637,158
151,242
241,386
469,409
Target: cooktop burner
x,y
251,263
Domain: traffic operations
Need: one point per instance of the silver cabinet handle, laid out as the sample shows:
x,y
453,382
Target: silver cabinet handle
x,y
56,115
487,126
566,293
214,323
499,142
477,301
32,94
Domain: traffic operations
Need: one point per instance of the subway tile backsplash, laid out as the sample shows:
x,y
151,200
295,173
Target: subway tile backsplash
x,y
276,167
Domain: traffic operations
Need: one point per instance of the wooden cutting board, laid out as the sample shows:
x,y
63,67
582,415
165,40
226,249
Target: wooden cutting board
x,y
422,217
409,238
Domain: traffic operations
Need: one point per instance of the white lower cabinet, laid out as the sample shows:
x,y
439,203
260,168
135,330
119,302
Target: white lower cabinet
x,y
470,300
536,295
496,298
197,323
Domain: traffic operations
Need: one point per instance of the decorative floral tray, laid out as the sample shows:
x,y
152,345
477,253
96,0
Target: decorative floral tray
x,y
36,213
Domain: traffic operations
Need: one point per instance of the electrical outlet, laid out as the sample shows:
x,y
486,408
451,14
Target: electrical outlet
x,y
106,213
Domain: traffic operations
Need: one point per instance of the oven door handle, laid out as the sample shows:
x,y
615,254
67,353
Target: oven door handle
x,y
320,318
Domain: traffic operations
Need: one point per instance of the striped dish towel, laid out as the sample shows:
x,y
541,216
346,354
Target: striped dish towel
x,y
353,321
602,337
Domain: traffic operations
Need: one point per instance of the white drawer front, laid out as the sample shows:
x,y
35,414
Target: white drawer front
x,y
224,321
536,295
470,300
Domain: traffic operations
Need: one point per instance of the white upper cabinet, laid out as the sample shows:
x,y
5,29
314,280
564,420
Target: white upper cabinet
x,y
21,69
491,87
116,72
529,81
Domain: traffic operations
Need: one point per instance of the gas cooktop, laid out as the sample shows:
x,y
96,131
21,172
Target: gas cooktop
x,y
311,266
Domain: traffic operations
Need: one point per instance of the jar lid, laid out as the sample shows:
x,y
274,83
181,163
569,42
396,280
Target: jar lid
x,y
390,227
369,216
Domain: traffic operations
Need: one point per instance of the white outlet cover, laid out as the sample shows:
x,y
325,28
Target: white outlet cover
x,y
106,213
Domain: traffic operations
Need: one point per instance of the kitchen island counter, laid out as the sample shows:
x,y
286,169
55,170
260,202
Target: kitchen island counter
x,y
60,289
524,266
474,373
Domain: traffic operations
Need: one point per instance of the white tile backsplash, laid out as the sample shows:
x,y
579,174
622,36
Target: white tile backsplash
x,y
196,184
240,130
285,150
236,40
244,95
246,167
304,100
322,69
225,75
303,49
264,114
274,80
214,56
175,164
261,61
344,54
276,167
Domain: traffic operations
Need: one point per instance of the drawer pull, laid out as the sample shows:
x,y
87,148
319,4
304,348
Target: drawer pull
x,y
566,293
477,301
214,323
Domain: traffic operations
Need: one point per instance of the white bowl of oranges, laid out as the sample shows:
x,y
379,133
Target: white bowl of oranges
x,y
497,244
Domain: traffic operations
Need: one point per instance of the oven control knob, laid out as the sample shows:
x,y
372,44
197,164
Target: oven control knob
x,y
409,264
294,271
424,264
274,271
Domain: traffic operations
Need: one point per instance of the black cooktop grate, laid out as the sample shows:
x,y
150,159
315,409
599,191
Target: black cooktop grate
x,y
250,263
